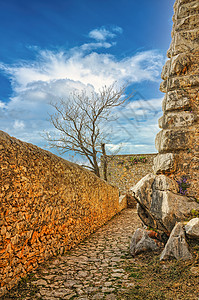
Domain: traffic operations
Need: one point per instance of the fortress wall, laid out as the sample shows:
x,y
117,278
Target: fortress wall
x,y
178,141
48,205
171,193
124,171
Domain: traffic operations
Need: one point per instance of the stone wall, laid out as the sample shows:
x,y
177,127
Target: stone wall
x,y
171,194
178,142
48,205
124,171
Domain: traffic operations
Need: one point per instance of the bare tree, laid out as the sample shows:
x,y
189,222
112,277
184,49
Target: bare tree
x,y
81,120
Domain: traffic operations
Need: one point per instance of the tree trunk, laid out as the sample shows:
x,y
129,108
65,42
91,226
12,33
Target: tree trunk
x,y
96,167
104,167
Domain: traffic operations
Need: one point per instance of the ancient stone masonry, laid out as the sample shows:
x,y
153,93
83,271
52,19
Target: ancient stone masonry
x,y
47,205
178,142
172,192
124,171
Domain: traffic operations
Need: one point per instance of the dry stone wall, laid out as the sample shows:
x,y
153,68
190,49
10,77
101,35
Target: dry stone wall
x,y
48,205
171,193
124,171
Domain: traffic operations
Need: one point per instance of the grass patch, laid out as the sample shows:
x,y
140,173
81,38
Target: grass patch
x,y
155,279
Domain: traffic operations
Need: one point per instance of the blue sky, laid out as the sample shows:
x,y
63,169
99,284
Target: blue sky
x,y
48,48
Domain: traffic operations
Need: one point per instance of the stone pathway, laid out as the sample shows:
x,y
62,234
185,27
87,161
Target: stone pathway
x,y
93,270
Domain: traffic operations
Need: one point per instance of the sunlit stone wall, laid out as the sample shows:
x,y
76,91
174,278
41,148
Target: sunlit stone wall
x,y
178,141
47,206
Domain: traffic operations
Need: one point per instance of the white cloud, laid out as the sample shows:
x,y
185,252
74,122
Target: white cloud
x,y
19,124
92,68
102,34
2,104
55,75
117,29
92,46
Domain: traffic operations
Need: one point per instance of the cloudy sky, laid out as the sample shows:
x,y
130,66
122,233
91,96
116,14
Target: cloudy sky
x,y
49,48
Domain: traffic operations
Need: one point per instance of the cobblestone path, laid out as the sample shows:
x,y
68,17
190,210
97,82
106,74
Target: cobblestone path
x,y
93,270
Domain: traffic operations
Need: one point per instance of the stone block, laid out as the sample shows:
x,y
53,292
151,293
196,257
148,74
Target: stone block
x,y
192,228
163,162
184,41
169,208
177,119
142,191
160,205
166,70
178,99
189,8
160,122
172,140
176,246
179,83
188,23
178,65
164,183
141,242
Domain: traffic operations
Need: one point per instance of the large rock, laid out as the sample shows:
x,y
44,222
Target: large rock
x,y
163,162
160,205
173,140
176,245
187,9
179,99
141,242
183,42
177,119
192,228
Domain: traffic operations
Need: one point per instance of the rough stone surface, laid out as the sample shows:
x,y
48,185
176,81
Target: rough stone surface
x,y
180,134
173,140
178,141
101,257
176,245
192,228
179,100
124,171
141,242
48,205
160,204
163,163
179,119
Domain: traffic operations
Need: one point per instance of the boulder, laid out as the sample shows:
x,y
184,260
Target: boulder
x,y
163,162
169,140
178,99
176,246
160,205
141,242
178,119
192,228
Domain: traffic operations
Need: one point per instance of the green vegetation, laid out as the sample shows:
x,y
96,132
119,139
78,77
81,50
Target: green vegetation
x,y
136,160
162,280
195,213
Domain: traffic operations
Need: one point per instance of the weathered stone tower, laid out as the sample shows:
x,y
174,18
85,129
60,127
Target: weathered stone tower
x,y
172,192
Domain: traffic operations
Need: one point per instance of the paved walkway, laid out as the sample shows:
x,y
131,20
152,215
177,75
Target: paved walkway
x,y
93,270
